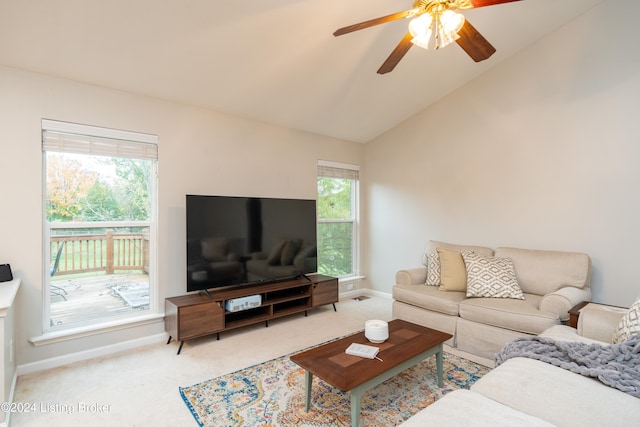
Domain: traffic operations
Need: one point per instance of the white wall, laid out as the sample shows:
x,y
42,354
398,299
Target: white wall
x,y
200,152
541,152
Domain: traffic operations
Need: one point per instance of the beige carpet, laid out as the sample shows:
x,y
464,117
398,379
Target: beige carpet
x,y
140,388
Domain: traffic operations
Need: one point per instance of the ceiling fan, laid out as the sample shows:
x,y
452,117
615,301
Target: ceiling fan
x,y
437,17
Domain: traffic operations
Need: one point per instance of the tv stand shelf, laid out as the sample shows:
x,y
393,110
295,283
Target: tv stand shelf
x,y
197,315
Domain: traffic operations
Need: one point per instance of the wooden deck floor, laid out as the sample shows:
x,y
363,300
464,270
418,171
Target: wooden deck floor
x,y
76,300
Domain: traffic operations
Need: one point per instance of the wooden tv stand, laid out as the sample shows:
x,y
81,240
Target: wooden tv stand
x,y
197,314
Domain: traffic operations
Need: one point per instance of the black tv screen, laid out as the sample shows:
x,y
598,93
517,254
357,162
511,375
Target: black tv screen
x,y
246,240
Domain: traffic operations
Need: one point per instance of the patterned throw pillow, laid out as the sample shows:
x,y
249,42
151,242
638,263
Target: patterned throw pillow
x,y
433,269
491,277
629,324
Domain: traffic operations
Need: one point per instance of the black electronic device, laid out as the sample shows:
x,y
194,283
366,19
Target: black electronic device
x,y
5,273
235,241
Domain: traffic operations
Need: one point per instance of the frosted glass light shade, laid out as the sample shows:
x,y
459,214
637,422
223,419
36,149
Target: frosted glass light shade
x,y
450,23
420,29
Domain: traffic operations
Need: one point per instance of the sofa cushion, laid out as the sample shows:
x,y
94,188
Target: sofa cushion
x,y
453,274
433,265
629,324
516,315
542,272
429,297
490,277
556,395
466,408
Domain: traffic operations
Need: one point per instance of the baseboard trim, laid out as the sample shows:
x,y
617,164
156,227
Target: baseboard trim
x,y
55,362
355,293
381,294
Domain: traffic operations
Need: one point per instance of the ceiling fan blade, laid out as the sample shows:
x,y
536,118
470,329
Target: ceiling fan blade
x,y
483,3
397,54
476,46
372,22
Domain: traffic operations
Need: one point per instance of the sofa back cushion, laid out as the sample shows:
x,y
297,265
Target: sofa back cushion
x,y
433,245
431,259
542,272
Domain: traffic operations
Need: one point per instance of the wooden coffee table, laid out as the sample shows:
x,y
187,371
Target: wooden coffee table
x,y
408,344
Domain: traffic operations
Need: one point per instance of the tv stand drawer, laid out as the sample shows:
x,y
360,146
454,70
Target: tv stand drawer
x,y
201,319
325,291
192,317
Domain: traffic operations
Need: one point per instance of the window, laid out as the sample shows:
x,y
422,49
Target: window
x,y
338,219
99,224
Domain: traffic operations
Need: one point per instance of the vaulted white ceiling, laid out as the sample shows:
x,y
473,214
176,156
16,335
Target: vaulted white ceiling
x,y
271,60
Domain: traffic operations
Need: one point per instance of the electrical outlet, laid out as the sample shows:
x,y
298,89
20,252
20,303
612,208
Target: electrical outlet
x,y
348,286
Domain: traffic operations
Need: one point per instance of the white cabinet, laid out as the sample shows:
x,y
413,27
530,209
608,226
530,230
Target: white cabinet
x,y
8,291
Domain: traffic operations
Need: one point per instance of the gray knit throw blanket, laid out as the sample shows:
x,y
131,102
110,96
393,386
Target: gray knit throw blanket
x,y
616,365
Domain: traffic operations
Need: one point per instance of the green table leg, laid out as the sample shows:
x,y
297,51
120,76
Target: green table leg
x,y
356,396
439,366
308,380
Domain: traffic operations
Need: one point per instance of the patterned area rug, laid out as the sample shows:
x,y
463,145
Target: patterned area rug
x,y
272,394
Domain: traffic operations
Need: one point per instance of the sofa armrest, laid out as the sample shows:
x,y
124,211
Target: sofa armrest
x,y
598,322
562,300
412,276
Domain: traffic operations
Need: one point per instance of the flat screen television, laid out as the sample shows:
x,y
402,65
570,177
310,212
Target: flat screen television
x,y
247,240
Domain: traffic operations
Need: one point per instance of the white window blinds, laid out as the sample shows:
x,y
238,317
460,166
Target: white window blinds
x,y
82,139
338,170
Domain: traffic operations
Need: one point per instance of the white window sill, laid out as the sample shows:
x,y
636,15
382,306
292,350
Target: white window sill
x,y
52,337
349,279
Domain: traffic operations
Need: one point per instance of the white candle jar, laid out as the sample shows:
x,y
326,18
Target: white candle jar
x,y
376,331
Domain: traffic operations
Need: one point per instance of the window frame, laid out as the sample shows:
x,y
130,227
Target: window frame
x,y
123,144
331,169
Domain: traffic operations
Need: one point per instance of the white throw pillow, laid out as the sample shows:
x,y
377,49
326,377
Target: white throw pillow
x,y
629,324
491,277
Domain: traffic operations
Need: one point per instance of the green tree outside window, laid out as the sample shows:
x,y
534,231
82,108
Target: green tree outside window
x,y
335,226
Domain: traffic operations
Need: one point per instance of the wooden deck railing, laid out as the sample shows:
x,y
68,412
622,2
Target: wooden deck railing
x,y
108,252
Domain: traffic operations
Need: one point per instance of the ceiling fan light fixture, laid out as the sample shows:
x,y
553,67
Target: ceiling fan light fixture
x,y
420,29
450,23
446,23
435,18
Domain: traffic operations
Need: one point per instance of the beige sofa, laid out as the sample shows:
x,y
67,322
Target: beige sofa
x,y
552,282
288,257
528,392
